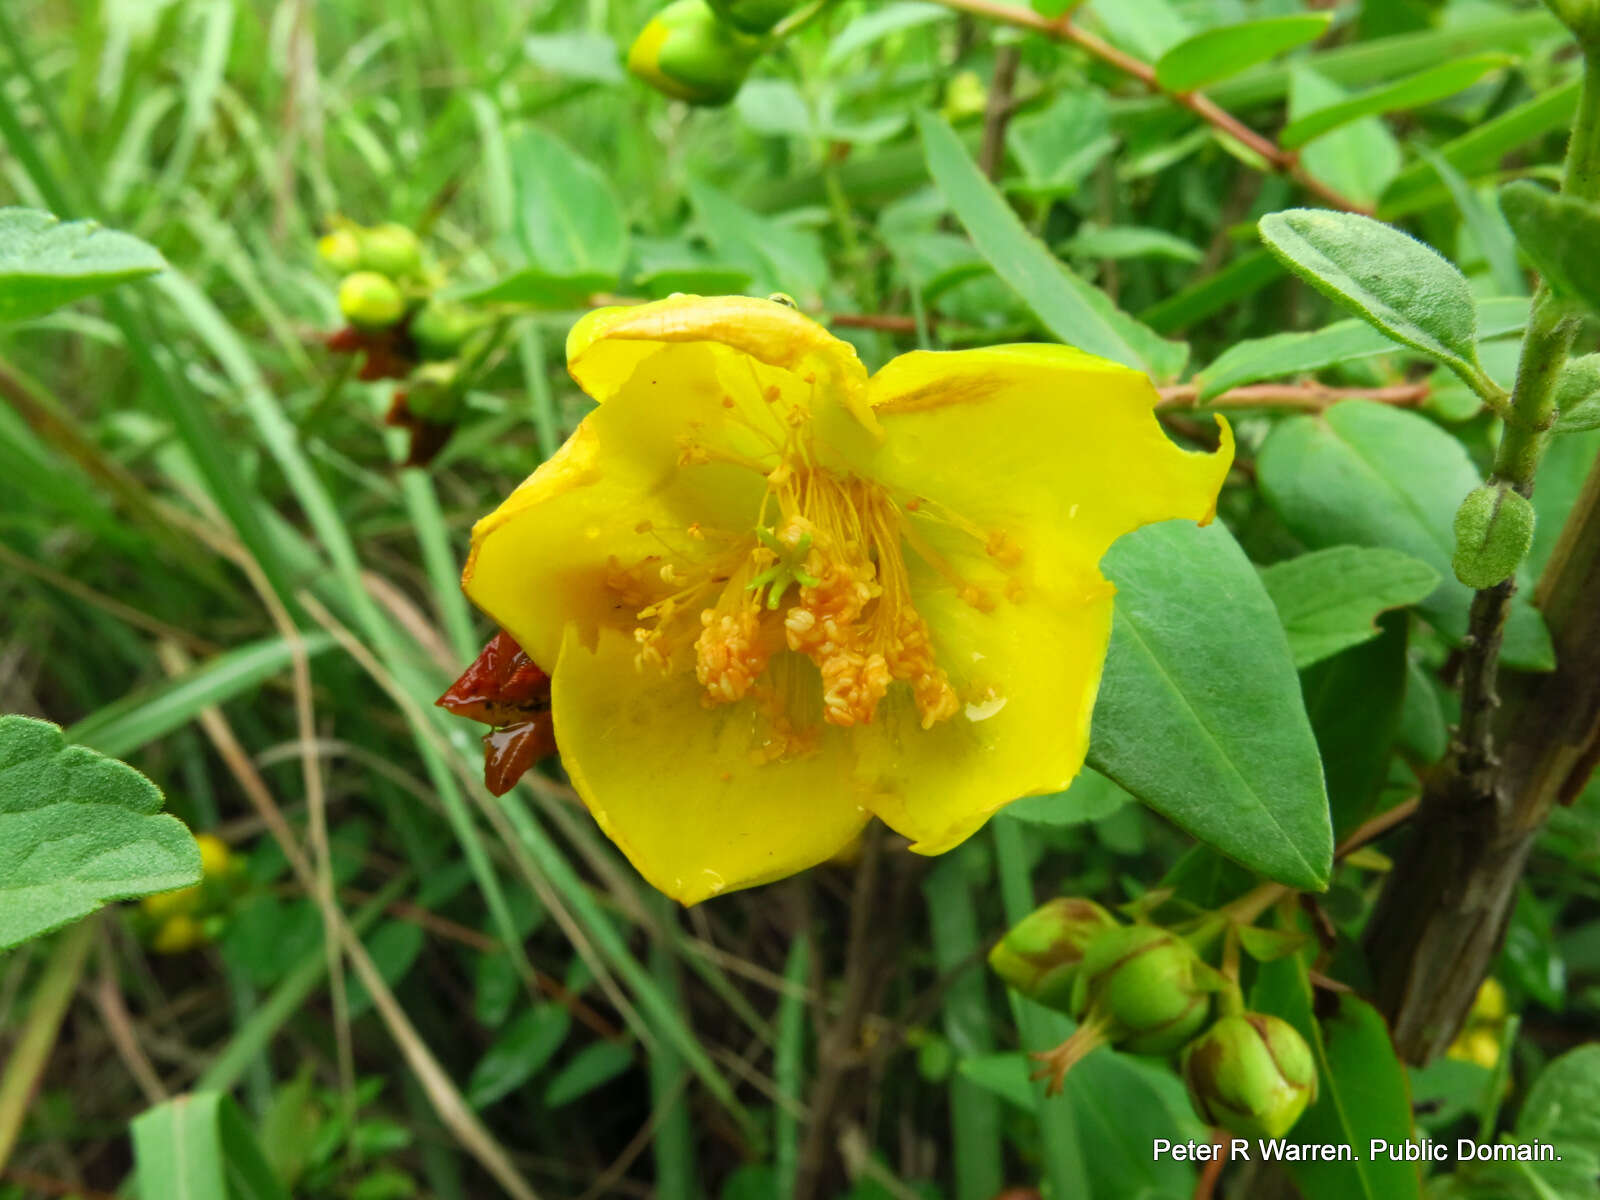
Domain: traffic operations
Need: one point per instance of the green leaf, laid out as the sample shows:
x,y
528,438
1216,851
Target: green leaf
x,y
78,829
1203,59
596,1065
1407,290
777,258
141,717
1425,87
878,23
1131,241
1358,159
1558,234
522,1048
1578,395
1074,311
1367,474
394,947
1481,151
1329,600
1199,714
1361,1091
1283,354
1091,797
45,263
1058,146
537,288
591,57
1563,1110
568,218
200,1146
1147,27
1562,473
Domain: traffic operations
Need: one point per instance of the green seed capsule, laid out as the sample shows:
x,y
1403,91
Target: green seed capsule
x,y
1494,531
1252,1074
752,16
1039,956
391,250
341,250
440,328
370,301
685,52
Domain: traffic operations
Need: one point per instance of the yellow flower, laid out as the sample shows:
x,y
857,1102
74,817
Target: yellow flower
x,y
778,598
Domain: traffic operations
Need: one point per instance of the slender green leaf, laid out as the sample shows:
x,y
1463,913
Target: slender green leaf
x,y
523,1047
776,257
1405,289
1366,474
1280,355
539,289
1488,227
591,57
877,23
1329,600
1359,158
1075,312
140,718
1131,241
77,830
568,217
1199,714
45,263
596,1065
198,1147
1412,92
1216,54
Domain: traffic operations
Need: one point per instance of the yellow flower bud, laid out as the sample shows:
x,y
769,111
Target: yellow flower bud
x,y
215,857
177,934
685,52
370,301
1489,1005
391,249
164,905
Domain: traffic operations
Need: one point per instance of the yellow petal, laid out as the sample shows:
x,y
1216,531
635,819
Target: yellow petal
x,y
1026,673
607,345
542,559
673,782
1043,442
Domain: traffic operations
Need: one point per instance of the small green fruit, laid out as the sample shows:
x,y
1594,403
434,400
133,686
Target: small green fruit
x,y
392,250
1039,955
1494,531
341,250
440,328
433,395
687,53
752,16
1251,1074
370,301
1148,984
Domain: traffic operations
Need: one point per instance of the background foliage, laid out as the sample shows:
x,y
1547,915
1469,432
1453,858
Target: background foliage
x,y
213,569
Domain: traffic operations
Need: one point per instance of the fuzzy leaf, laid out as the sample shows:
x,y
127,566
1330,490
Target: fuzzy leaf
x,y
78,829
1558,234
1405,289
45,263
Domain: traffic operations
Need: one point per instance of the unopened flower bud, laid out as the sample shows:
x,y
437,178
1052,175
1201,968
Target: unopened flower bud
x,y
1494,531
752,16
370,301
216,860
1251,1074
1039,956
1148,983
685,52
441,327
177,934
433,395
391,249
341,250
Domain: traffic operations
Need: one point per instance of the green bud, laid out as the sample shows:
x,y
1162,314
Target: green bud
x,y
440,328
392,250
1494,531
1251,1074
1147,984
433,395
341,250
370,301
685,52
1582,17
1039,956
752,16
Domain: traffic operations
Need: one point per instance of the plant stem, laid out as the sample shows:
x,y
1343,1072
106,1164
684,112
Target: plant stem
x,y
1062,29
32,1051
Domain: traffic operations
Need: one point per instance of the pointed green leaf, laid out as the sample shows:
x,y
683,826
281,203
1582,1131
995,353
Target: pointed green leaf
x,y
200,1145
1203,59
1199,714
1077,313
523,1047
1559,235
1329,600
1578,395
45,263
1405,289
568,217
1366,474
1425,87
78,829
595,1065
1357,159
